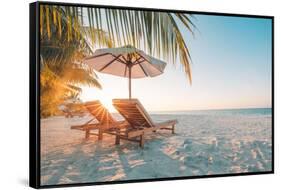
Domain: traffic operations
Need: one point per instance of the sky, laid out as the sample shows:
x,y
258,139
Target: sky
x,y
231,68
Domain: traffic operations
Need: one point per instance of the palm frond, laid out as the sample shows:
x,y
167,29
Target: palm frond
x,y
157,33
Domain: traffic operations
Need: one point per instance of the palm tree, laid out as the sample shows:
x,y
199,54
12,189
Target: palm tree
x,y
68,34
157,33
61,70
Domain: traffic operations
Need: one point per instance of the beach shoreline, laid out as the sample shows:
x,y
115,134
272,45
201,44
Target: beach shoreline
x,y
202,145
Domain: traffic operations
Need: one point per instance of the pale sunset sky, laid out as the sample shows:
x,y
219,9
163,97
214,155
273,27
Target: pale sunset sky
x,y
231,68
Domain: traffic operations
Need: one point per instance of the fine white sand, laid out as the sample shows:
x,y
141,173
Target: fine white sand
x,y
202,145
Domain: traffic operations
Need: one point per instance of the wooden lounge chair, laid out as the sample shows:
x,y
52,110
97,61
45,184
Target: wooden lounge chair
x,y
139,120
71,114
103,120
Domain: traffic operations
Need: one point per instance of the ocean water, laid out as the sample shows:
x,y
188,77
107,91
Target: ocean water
x,y
222,112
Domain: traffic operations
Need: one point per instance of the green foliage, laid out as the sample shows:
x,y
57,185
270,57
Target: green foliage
x,y
61,51
157,33
69,34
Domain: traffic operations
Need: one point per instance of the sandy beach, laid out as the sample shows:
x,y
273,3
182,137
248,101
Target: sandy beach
x,y
203,144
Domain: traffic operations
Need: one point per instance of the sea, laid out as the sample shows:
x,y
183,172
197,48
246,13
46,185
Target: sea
x,y
229,112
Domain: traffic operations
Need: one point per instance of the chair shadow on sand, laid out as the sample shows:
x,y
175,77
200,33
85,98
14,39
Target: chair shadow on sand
x,y
86,161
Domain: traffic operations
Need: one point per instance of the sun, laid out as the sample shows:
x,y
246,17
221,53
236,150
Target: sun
x,y
88,94
107,103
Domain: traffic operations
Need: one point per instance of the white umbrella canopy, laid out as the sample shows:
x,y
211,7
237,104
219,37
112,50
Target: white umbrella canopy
x,y
126,61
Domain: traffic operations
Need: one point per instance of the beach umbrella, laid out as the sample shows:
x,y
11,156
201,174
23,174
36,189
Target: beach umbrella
x,y
126,61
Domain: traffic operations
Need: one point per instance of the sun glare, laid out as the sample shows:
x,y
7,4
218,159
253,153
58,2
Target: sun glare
x,y
89,94
108,104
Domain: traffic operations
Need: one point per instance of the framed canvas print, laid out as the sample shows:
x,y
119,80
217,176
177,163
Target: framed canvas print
x,y
122,94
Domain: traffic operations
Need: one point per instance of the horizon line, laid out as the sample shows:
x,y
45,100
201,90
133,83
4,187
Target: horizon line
x,y
214,109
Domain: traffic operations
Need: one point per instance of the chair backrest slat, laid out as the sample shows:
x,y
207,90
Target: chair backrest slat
x,y
99,112
133,111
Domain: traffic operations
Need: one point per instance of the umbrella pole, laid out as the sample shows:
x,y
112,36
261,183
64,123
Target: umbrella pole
x,y
130,96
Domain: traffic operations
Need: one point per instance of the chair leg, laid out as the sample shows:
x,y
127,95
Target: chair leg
x,y
117,138
87,134
142,141
100,134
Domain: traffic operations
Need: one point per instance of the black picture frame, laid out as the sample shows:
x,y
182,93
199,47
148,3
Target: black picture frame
x,y
34,94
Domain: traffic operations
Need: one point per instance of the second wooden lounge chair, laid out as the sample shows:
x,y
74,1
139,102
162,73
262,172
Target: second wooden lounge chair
x,y
102,120
139,120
